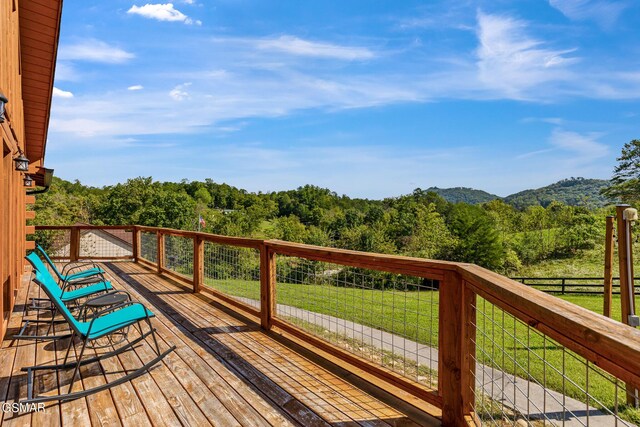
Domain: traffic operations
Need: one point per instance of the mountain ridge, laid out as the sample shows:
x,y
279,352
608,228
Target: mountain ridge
x,y
469,195
570,191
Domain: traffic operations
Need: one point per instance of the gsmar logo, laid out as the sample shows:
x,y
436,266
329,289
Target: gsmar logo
x,y
16,407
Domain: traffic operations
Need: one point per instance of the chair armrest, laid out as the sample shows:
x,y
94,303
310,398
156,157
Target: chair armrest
x,y
76,264
77,267
86,280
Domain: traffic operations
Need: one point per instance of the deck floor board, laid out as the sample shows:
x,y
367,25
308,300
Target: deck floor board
x,y
225,371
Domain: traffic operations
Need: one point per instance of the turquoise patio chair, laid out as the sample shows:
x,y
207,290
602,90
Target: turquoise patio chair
x,y
109,320
66,295
68,277
71,273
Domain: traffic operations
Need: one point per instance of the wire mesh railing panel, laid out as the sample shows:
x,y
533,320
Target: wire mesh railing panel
x,y
524,376
388,319
178,254
106,243
149,246
233,271
57,243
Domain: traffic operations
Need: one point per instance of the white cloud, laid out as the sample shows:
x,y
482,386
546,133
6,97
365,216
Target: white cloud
x,y
85,128
215,103
93,50
59,93
512,62
162,12
572,148
551,120
605,13
533,153
135,87
66,72
179,93
296,46
585,147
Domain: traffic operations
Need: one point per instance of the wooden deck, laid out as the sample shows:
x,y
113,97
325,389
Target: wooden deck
x,y
225,371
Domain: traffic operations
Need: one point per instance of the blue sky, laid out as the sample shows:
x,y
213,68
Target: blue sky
x,y
368,98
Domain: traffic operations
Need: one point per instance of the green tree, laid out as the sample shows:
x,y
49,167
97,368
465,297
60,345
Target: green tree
x,y
505,216
582,231
203,196
625,183
289,228
317,236
64,204
144,202
477,237
368,239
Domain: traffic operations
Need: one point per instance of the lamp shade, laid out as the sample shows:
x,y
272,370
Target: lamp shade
x,y
3,100
28,181
22,163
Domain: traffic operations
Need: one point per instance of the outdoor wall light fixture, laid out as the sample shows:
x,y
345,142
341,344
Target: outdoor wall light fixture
x,y
3,100
28,181
22,163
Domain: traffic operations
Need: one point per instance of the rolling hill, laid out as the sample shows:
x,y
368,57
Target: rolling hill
x,y
464,194
571,191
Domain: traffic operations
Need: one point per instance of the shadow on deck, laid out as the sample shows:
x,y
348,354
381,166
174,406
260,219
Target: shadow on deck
x,y
225,371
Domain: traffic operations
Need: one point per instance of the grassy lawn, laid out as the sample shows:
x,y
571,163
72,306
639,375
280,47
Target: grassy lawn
x,y
588,263
502,341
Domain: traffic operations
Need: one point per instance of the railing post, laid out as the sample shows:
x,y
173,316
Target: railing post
x,y
267,286
563,284
160,251
625,262
198,263
135,237
74,244
625,258
456,348
608,266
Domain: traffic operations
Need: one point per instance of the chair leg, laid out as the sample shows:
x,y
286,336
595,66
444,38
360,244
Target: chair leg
x,y
139,326
53,316
153,334
73,337
31,276
75,371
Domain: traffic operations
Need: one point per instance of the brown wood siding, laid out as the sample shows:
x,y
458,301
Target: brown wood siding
x,y
12,208
28,43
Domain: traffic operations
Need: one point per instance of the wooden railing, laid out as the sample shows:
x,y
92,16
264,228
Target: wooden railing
x,y
602,342
68,239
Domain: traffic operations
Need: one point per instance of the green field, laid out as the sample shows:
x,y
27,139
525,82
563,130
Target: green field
x,y
502,341
588,263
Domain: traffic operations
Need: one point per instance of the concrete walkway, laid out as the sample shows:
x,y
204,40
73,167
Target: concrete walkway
x,y
528,398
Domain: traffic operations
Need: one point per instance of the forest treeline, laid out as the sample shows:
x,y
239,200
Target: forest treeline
x,y
494,234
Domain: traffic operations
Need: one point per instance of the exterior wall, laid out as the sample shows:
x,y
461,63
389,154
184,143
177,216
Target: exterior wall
x,y
12,192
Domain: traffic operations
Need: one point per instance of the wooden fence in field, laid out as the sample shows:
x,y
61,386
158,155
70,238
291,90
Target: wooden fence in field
x,y
572,285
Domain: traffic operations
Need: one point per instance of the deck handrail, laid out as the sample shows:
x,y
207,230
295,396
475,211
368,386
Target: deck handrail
x,y
606,343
